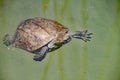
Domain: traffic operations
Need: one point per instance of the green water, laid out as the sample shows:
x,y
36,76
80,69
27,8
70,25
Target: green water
x,y
95,60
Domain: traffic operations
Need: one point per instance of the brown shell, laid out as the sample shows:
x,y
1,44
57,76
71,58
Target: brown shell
x,y
34,33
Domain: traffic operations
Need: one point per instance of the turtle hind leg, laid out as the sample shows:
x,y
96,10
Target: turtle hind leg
x,y
40,55
8,40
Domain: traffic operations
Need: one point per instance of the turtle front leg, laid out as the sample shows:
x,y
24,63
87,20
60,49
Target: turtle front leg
x,y
40,54
84,35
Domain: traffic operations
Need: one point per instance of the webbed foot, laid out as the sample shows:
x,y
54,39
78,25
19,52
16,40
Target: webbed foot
x,y
40,55
84,35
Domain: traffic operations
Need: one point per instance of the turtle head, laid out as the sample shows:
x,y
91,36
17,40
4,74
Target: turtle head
x,y
8,40
84,35
66,39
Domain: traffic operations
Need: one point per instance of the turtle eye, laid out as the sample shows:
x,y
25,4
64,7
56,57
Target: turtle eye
x,y
66,32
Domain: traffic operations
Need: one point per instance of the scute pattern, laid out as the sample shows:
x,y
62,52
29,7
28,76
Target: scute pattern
x,y
34,33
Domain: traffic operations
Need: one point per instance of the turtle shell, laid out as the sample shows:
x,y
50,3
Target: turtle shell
x,y
34,33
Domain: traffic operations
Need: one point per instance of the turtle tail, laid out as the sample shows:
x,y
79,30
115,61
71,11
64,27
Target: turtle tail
x,y
8,40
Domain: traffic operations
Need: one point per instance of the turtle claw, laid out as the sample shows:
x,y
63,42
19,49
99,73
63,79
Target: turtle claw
x,y
86,36
89,33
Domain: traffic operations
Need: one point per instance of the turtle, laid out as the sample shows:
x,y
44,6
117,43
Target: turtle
x,y
41,36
